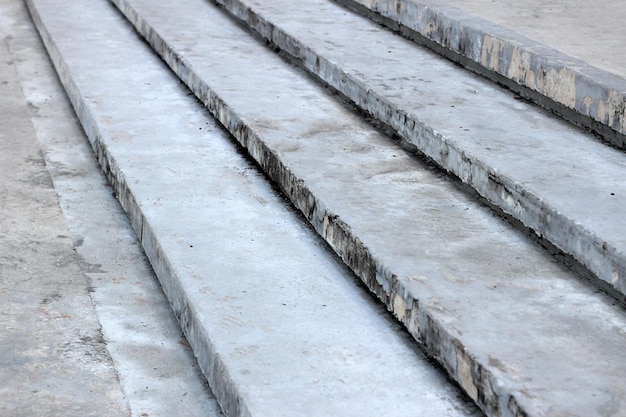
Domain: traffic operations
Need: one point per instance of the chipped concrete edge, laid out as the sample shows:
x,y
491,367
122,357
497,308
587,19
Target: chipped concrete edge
x,y
596,98
208,359
473,374
606,264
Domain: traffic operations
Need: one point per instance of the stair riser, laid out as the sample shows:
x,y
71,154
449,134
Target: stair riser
x,y
566,87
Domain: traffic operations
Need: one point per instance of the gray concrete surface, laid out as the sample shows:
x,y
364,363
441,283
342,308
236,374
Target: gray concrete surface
x,y
277,322
556,180
132,320
520,333
591,32
567,51
53,358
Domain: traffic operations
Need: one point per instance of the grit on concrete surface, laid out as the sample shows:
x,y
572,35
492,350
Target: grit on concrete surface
x,y
591,31
97,262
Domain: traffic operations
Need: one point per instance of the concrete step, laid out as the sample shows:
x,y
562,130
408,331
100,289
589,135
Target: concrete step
x,y
554,179
278,324
520,333
547,53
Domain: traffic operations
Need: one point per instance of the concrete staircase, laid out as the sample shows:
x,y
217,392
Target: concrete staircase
x,y
489,228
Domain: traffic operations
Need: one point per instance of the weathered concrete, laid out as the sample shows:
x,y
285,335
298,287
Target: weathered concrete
x,y
556,180
157,371
577,28
53,359
277,323
521,334
563,50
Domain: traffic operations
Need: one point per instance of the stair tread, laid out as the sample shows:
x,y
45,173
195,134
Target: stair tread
x,y
278,325
555,179
412,236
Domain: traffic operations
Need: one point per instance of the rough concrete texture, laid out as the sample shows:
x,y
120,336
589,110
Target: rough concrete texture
x,y
556,180
522,335
562,50
53,359
277,322
572,27
157,371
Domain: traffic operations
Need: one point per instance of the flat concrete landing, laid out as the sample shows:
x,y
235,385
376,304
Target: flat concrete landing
x,y
53,358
